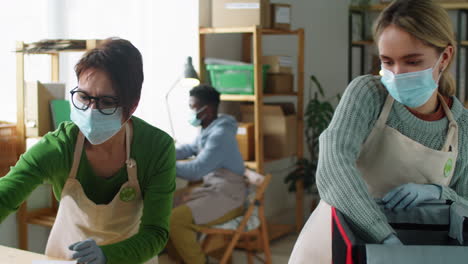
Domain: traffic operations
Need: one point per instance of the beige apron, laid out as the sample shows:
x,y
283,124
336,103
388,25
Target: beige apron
x,y
221,192
388,159
79,218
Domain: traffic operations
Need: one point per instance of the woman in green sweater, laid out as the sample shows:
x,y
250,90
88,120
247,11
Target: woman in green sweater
x,y
109,212
401,137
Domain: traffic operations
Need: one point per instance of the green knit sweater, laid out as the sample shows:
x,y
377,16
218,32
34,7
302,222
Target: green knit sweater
x,y
50,160
340,182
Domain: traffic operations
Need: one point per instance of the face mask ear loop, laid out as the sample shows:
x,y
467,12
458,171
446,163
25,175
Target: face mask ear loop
x,y
201,110
437,63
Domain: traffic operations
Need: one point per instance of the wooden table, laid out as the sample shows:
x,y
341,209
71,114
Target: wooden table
x,y
17,256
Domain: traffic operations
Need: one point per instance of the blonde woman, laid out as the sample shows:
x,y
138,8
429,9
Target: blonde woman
x,y
400,137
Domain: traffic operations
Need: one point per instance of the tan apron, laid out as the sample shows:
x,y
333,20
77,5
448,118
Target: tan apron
x,y
388,159
79,218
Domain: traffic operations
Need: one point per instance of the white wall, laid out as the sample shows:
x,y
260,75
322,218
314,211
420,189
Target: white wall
x,y
325,23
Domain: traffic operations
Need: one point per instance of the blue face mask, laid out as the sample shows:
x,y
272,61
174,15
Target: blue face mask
x,y
412,89
193,119
95,126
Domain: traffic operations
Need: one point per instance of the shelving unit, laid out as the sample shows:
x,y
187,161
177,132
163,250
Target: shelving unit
x,y
362,44
253,35
43,216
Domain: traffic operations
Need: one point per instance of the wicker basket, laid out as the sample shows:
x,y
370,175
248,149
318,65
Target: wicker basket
x,y
8,153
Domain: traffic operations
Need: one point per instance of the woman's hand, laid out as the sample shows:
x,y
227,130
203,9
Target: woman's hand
x,y
409,195
88,252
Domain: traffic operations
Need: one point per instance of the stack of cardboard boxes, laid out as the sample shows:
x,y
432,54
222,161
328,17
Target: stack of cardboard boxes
x,y
279,120
280,79
244,13
279,131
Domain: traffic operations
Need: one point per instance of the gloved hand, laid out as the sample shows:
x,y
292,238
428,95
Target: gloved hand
x,y
88,252
409,195
392,240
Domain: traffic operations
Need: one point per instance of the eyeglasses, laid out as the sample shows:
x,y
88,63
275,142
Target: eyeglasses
x,y
107,105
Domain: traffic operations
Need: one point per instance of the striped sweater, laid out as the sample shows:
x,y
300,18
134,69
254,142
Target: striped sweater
x,y
340,183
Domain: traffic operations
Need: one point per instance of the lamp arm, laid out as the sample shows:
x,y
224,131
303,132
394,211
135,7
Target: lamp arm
x,y
168,108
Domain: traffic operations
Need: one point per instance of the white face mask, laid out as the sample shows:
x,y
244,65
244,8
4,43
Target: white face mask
x,y
412,89
95,126
193,119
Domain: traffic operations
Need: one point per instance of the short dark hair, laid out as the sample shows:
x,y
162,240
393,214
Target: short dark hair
x,y
206,94
124,65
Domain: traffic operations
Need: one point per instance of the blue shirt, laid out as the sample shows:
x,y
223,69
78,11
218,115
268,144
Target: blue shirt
x,y
215,148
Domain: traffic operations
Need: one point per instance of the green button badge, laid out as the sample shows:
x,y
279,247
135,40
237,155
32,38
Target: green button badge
x,y
448,167
128,194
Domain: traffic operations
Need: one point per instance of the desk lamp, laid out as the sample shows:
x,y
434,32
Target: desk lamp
x,y
189,79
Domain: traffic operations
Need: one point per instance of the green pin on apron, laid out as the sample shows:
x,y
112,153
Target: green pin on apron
x,y
448,167
127,194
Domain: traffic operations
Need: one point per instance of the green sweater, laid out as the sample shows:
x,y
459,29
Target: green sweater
x,y
50,160
340,182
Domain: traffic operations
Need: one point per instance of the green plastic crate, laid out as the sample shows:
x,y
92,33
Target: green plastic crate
x,y
234,79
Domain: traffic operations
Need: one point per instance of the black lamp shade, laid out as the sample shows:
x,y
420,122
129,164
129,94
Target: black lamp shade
x,y
189,71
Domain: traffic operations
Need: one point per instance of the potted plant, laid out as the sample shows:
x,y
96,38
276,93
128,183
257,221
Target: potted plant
x,y
317,117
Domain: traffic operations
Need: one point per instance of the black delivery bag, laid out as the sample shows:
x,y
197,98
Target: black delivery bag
x,y
433,232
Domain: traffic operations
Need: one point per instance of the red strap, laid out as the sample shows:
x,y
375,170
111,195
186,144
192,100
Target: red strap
x,y
349,247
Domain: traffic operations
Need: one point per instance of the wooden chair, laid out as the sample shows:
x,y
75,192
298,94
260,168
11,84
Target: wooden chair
x,y
250,240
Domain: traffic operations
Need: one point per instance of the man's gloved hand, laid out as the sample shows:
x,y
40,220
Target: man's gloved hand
x,y
88,252
409,195
392,240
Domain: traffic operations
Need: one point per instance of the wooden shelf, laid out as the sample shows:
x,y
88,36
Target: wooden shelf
x,y
362,43
279,32
44,217
89,44
380,7
464,43
265,31
277,95
55,52
251,164
250,98
237,97
252,51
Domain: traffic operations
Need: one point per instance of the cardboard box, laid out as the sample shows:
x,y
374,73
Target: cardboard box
x,y
280,83
281,16
246,140
278,64
37,114
279,128
204,13
241,13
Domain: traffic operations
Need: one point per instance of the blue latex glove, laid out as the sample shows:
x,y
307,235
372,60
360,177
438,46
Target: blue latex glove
x,y
87,252
392,240
409,195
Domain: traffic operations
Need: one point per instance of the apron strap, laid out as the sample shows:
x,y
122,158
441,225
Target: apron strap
x,y
131,163
77,155
451,142
385,112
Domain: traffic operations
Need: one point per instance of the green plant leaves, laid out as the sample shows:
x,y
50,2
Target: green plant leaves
x,y
318,115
